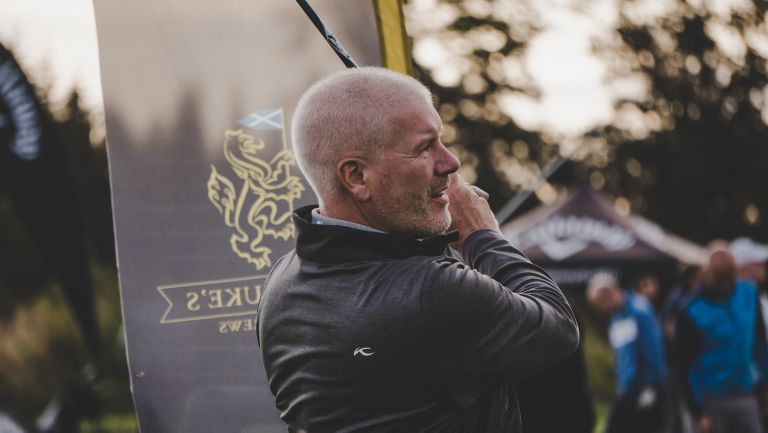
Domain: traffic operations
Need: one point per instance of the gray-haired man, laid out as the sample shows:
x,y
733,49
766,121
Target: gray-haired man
x,y
368,325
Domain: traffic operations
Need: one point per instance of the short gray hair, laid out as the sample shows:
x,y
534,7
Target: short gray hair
x,y
348,111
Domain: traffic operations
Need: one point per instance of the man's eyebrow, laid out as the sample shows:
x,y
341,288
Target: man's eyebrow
x,y
429,137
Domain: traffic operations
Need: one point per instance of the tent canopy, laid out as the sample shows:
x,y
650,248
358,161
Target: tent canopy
x,y
583,232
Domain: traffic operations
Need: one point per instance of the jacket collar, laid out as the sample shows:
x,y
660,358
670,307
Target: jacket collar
x,y
331,244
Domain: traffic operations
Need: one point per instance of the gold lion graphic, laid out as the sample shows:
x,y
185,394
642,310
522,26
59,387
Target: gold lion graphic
x,y
263,204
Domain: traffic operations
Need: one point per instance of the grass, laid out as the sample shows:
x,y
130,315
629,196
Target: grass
x,y
602,409
41,352
112,423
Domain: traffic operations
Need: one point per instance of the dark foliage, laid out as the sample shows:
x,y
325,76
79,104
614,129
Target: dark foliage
x,y
703,172
476,129
698,169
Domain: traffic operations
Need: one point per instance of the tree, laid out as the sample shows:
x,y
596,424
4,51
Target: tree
x,y
49,207
687,152
700,168
85,156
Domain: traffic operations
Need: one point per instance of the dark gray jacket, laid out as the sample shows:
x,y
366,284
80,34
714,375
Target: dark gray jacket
x,y
363,331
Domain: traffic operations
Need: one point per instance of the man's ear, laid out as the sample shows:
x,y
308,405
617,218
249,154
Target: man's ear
x,y
352,175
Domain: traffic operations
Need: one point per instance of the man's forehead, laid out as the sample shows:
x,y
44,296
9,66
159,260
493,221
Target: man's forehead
x,y
419,116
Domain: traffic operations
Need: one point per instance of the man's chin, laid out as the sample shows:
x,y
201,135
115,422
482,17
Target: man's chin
x,y
438,226
421,225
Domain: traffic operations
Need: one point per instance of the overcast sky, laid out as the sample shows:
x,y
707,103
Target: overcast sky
x,y
58,34
61,34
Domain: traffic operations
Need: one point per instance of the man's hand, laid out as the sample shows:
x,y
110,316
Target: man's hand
x,y
469,212
705,424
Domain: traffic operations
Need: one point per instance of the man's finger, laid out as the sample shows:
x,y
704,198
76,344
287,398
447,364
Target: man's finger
x,y
480,193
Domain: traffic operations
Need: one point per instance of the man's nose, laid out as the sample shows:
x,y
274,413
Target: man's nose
x,y
445,161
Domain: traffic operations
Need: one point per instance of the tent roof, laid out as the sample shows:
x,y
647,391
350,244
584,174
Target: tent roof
x,y
584,228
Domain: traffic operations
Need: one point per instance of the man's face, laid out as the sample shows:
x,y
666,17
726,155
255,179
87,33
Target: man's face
x,y
608,301
408,179
648,287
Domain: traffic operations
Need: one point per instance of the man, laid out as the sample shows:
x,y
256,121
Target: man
x,y
722,350
689,278
647,288
635,337
751,259
368,325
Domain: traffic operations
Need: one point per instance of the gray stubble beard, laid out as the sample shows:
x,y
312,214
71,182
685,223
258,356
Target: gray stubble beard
x,y
412,218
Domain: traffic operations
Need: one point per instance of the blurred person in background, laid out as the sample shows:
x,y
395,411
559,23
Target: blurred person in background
x,y
751,259
635,337
690,277
722,350
647,288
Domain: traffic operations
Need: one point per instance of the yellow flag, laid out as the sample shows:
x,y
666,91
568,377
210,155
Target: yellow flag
x,y
395,45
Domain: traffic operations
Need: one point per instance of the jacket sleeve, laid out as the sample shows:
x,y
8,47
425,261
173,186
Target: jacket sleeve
x,y
652,348
494,319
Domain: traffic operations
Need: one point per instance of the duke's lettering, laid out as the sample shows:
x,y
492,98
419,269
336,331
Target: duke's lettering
x,y
212,300
234,297
217,298
193,303
256,295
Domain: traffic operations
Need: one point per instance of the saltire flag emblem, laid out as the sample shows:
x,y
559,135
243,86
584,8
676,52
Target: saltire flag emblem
x,y
270,119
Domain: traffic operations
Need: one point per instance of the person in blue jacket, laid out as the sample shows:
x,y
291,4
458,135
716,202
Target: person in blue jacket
x,y
722,349
635,337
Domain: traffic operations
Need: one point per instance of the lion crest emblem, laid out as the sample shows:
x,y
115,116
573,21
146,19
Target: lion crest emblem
x,y
258,202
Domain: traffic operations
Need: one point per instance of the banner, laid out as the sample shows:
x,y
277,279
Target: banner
x,y
198,100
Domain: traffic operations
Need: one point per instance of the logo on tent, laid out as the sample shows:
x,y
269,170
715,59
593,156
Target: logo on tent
x,y
560,238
